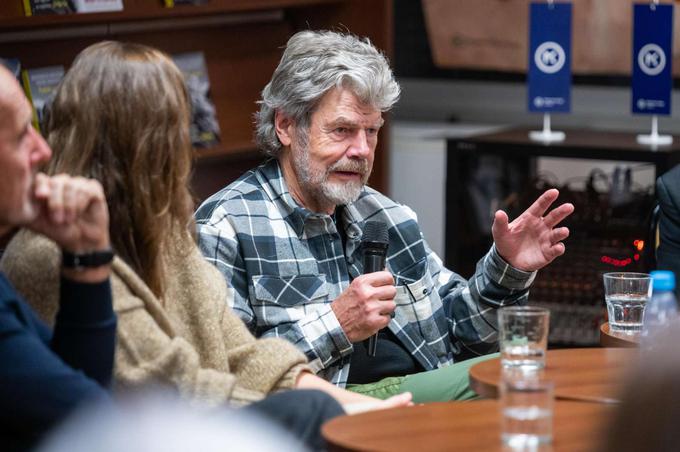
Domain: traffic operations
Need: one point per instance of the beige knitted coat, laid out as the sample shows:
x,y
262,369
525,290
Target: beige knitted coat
x,y
192,341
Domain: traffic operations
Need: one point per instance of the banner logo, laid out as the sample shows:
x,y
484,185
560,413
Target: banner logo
x,y
650,104
651,59
550,57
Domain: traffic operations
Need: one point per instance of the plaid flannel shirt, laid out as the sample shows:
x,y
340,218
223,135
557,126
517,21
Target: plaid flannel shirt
x,y
287,264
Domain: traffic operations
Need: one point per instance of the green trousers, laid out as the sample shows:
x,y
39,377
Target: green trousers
x,y
439,385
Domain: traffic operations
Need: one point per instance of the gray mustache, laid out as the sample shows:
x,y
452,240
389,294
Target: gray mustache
x,y
353,166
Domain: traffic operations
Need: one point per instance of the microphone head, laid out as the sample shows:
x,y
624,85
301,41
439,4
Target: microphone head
x,y
375,232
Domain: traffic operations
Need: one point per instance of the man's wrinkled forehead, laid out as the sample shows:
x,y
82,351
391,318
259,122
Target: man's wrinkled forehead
x,y
344,104
13,103
8,84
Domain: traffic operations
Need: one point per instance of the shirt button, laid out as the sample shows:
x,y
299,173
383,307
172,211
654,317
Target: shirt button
x,y
425,291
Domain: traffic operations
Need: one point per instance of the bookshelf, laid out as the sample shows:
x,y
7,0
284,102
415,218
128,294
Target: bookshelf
x,y
242,41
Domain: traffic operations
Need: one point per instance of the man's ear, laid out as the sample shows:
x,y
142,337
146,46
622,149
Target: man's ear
x,y
284,128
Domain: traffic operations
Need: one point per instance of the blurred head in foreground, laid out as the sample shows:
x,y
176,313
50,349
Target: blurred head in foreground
x,y
648,416
161,423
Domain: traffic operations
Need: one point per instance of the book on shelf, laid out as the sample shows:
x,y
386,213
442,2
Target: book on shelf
x,y
14,66
173,3
40,85
40,7
205,130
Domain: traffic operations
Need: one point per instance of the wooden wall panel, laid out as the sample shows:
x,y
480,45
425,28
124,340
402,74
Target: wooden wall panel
x,y
242,41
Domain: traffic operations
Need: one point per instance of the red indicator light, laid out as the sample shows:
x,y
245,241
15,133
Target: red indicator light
x,y
639,244
616,262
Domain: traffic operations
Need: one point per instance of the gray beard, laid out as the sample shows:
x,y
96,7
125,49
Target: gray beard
x,y
340,194
316,183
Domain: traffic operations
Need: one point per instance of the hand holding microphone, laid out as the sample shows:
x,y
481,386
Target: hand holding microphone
x,y
366,306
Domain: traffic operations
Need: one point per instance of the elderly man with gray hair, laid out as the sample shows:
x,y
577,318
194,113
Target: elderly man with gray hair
x,y
287,237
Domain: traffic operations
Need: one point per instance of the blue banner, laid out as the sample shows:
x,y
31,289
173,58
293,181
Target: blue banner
x,y
652,58
549,77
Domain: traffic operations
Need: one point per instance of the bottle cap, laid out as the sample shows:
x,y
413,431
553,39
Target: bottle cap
x,y
663,280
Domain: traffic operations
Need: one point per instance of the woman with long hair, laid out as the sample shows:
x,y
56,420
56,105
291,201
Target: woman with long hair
x,y
121,116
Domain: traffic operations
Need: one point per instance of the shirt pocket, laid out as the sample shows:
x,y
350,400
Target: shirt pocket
x,y
290,290
417,298
283,299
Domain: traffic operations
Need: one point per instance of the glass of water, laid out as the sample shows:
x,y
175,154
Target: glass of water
x,y
626,295
526,411
523,337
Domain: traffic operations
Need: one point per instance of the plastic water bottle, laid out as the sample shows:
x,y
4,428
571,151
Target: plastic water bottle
x,y
662,308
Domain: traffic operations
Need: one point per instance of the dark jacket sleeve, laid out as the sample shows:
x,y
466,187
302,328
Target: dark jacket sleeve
x,y
668,193
85,329
40,386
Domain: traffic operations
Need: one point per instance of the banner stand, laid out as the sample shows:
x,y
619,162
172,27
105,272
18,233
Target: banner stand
x,y
546,135
652,82
549,65
654,139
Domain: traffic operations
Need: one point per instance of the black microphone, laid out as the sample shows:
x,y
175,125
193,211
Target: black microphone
x,y
374,245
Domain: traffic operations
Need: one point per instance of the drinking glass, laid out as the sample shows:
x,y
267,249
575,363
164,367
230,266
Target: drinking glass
x,y
626,295
523,337
526,411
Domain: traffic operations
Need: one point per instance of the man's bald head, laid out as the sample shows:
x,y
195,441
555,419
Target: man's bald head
x,y
22,152
10,93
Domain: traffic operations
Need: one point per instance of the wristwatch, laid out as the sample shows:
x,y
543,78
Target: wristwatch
x,y
81,261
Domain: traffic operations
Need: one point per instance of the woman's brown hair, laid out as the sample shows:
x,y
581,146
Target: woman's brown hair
x,y
121,116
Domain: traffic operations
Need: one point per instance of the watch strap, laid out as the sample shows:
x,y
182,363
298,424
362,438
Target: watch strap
x,y
91,259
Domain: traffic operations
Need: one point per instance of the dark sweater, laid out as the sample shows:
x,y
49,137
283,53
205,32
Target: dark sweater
x,y
45,376
668,253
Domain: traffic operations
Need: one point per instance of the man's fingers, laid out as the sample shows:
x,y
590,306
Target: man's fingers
x,y
41,188
70,197
541,205
558,234
84,200
385,293
377,322
386,307
55,203
89,192
67,214
500,223
381,308
92,188
377,279
379,314
70,202
558,214
556,250
384,321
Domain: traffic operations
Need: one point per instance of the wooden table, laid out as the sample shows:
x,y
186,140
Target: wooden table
x,y
586,374
611,339
461,426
